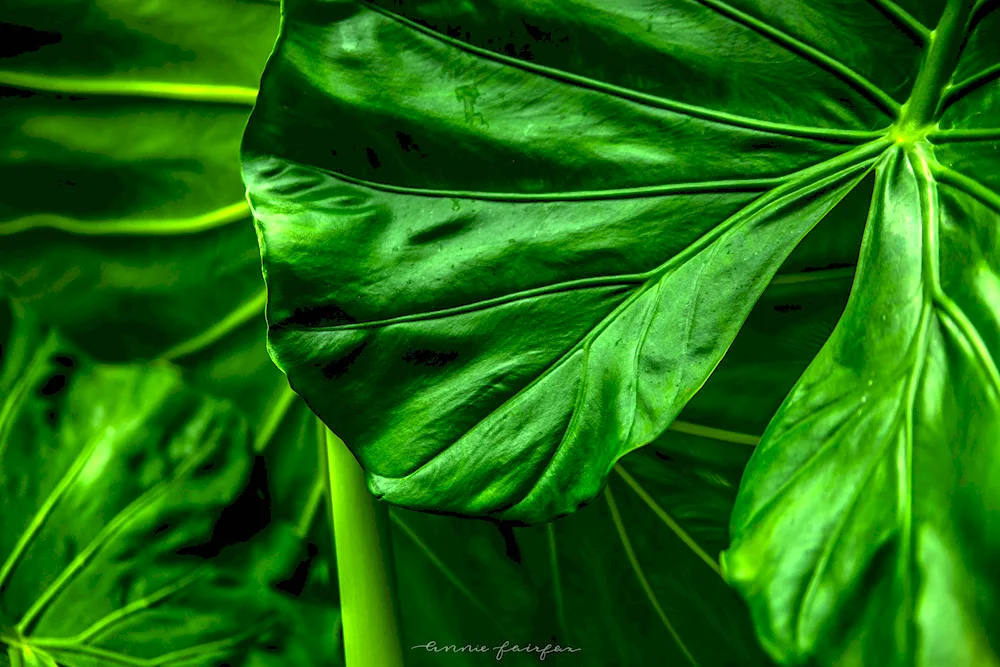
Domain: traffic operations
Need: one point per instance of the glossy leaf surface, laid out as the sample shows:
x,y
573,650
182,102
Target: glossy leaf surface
x,y
866,518
514,264
880,469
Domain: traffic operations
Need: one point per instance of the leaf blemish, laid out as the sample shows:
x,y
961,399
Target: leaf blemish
x,y
407,144
429,357
338,367
468,95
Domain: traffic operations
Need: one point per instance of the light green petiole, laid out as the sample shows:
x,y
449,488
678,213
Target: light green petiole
x,y
365,571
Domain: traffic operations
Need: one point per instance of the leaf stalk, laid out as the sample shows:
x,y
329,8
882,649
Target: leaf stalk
x,y
921,110
365,571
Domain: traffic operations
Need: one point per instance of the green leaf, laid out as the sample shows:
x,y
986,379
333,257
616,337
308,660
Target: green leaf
x,y
126,226
111,478
865,528
497,271
873,493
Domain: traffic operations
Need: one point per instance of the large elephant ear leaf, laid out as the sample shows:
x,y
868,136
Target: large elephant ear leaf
x,y
505,245
111,482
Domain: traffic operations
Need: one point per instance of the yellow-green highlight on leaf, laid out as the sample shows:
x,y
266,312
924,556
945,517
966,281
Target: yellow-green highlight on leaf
x,y
966,184
714,433
273,415
131,227
311,507
204,93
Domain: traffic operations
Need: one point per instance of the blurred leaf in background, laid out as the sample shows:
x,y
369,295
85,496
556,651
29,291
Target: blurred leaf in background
x,y
112,480
123,224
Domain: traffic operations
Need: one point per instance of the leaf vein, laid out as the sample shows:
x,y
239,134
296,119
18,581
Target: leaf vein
x,y
205,93
882,100
816,133
643,582
668,520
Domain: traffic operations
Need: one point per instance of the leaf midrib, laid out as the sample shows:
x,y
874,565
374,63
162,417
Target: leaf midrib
x,y
813,177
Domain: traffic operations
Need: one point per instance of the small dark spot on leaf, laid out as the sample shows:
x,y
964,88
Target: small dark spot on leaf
x,y
7,91
537,33
162,528
208,466
429,357
70,548
51,416
406,143
64,361
16,40
54,385
763,145
338,367
525,53
317,316
134,463
333,152
511,547
787,307
663,456
373,158
835,265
